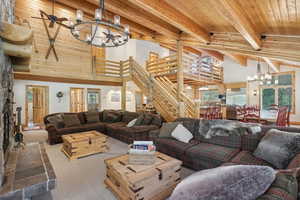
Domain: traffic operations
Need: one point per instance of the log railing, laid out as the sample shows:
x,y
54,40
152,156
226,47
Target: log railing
x,y
168,65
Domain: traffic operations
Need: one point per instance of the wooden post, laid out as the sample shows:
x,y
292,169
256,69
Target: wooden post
x,y
180,78
197,109
123,89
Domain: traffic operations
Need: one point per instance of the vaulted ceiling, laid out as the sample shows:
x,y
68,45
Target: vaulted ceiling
x,y
269,29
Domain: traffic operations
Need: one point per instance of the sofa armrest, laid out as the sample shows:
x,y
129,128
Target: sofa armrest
x,y
52,132
295,162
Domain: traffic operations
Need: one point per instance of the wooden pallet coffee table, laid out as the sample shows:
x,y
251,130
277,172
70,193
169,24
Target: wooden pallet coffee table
x,y
83,144
147,182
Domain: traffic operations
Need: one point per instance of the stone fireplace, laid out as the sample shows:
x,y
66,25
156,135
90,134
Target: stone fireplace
x,y
6,93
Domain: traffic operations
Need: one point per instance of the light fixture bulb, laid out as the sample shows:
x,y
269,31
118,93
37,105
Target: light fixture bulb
x,y
117,20
88,38
98,14
79,15
127,29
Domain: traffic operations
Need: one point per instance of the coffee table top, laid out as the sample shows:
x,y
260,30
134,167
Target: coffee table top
x,y
135,173
83,136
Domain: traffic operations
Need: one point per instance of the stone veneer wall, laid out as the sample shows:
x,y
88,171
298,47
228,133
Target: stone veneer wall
x,y
6,84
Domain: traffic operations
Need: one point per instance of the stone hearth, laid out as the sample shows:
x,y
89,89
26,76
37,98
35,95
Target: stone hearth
x,y
28,173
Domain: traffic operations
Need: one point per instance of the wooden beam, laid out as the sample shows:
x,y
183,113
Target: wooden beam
x,y
275,65
212,53
139,16
33,77
89,9
169,14
240,59
186,49
235,15
15,34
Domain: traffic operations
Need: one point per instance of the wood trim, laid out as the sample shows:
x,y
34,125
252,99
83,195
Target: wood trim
x,y
33,77
236,85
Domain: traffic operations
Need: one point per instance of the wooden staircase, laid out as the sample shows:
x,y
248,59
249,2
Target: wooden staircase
x,y
163,93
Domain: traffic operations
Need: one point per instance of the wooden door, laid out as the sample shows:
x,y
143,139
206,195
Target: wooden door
x,y
77,100
93,99
36,107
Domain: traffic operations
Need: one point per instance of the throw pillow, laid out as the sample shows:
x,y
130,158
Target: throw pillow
x,y
131,123
167,129
239,182
139,120
182,134
156,120
278,147
112,116
129,116
284,187
71,120
92,117
57,121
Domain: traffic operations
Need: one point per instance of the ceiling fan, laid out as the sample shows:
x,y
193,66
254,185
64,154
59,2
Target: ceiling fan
x,y
52,18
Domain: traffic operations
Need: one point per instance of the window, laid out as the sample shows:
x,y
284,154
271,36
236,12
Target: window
x,y
280,91
209,96
236,96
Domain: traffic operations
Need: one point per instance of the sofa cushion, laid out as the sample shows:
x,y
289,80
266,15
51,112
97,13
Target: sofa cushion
x,y
285,187
205,156
190,124
129,116
112,116
139,120
156,120
173,147
278,147
57,121
182,134
147,119
167,129
71,120
232,141
250,141
225,183
92,117
247,158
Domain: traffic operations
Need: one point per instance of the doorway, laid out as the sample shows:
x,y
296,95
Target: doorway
x,y
36,106
77,100
93,99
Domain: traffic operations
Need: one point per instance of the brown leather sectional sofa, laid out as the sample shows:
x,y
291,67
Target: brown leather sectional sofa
x,y
110,122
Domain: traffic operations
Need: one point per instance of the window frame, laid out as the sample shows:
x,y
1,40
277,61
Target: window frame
x,y
276,87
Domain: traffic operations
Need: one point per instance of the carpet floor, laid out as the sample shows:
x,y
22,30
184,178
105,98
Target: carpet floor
x,y
80,179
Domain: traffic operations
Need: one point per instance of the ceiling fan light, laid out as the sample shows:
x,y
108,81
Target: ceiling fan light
x,y
79,15
98,14
117,20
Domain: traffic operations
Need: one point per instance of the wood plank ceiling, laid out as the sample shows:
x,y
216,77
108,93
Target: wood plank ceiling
x,y
269,29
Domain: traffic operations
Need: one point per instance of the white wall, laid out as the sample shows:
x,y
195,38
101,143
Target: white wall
x,y
143,49
64,105
233,72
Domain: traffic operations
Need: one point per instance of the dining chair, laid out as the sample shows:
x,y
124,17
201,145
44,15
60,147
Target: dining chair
x,y
282,116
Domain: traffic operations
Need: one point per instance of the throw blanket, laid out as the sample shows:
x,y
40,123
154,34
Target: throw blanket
x,y
211,128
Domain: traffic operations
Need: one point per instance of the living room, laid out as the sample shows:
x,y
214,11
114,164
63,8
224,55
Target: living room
x,y
149,99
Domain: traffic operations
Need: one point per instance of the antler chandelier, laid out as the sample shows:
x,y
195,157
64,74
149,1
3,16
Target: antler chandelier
x,y
100,32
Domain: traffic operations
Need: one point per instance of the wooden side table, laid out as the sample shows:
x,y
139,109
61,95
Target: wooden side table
x,y
83,144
